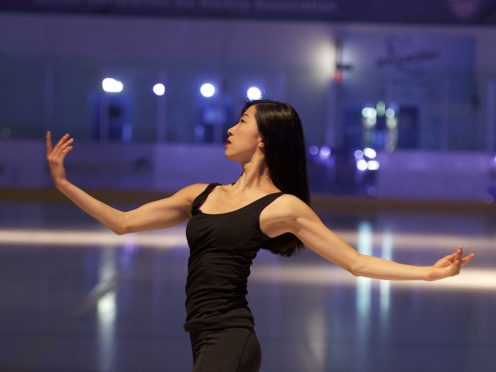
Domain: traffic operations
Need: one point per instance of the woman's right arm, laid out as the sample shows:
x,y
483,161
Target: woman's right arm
x,y
158,214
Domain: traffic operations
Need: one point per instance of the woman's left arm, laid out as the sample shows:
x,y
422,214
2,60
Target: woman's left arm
x,y
290,214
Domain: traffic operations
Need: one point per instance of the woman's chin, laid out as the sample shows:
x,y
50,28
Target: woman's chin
x,y
230,156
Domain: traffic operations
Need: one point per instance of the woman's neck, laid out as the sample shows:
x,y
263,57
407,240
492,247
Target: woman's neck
x,y
255,177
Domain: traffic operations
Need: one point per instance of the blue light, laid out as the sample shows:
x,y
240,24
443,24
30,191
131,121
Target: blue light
x,y
313,150
358,154
207,90
372,165
369,153
369,112
159,89
325,152
110,85
381,108
254,93
361,165
390,113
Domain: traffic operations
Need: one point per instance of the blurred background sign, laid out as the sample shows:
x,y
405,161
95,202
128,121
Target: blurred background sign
x,y
413,11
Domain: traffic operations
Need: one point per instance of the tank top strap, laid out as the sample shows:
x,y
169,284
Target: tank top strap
x,y
264,201
198,201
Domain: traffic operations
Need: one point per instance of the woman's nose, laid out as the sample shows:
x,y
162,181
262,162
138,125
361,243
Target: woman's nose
x,y
231,130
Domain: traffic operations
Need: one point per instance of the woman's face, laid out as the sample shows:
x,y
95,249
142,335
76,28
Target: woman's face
x,y
243,139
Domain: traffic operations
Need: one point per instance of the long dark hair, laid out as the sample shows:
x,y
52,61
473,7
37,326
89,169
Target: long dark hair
x,y
285,155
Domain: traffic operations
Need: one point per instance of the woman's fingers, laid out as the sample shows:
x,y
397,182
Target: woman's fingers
x,y
67,144
455,267
63,150
63,143
457,253
452,264
455,257
66,150
459,257
449,259
461,261
48,138
452,257
467,259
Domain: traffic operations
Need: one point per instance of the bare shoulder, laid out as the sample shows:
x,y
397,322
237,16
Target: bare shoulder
x,y
190,192
288,206
280,215
182,199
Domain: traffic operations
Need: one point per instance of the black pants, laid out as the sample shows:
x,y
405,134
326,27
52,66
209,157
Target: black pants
x,y
226,350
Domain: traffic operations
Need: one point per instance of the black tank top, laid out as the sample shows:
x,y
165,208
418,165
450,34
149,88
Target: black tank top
x,y
222,248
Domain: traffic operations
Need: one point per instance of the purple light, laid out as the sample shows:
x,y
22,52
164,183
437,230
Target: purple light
x,y
253,93
110,85
159,89
372,165
369,153
325,152
358,154
207,90
361,165
313,150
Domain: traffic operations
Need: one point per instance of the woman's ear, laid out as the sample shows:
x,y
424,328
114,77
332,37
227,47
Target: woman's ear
x,y
261,144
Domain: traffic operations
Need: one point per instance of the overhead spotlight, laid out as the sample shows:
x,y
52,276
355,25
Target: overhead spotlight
x,y
207,90
159,89
390,113
362,165
254,93
111,85
380,108
369,153
325,152
369,112
358,154
313,150
372,165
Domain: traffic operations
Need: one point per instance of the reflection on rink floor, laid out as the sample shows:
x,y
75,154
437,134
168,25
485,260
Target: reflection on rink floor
x,y
82,298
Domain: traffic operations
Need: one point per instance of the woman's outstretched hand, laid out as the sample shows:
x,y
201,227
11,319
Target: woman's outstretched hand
x,y
56,156
450,265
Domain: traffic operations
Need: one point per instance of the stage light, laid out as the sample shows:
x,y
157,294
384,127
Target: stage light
x,y
372,165
207,90
390,113
369,115
358,154
325,152
369,153
313,150
361,165
111,85
254,93
369,112
159,89
380,108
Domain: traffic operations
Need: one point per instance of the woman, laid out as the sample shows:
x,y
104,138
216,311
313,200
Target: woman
x,y
267,206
